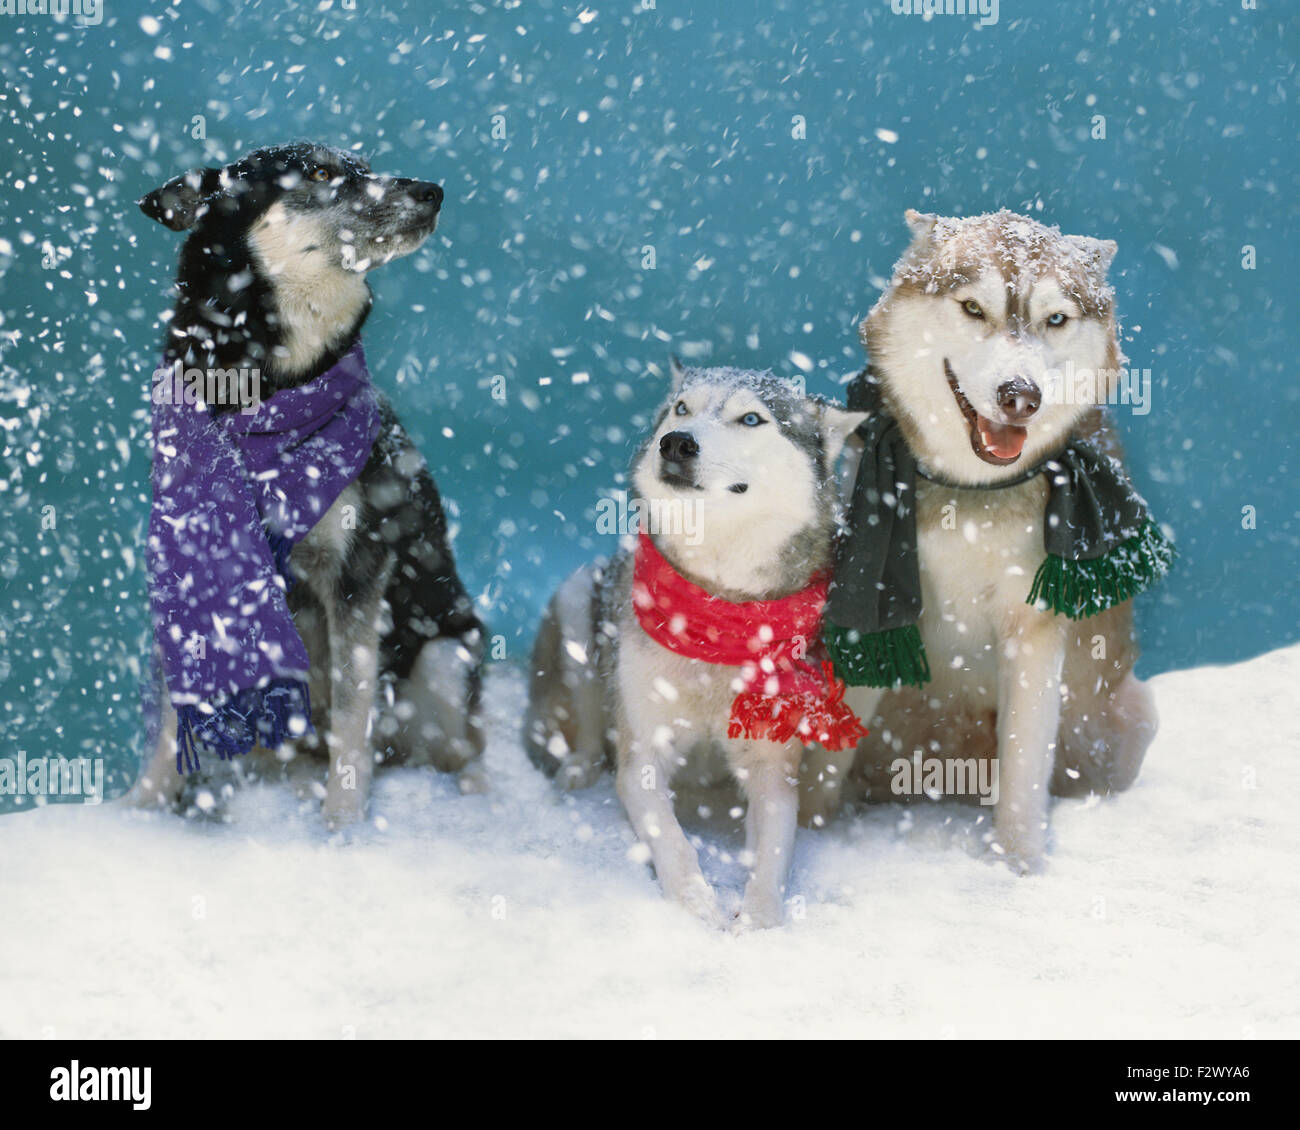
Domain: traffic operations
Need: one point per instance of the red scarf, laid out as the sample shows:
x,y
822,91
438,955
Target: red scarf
x,y
784,695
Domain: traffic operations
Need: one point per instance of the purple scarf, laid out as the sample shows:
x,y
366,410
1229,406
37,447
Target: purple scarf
x,y
232,494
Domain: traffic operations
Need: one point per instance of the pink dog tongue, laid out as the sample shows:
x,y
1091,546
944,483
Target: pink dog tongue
x,y
1004,441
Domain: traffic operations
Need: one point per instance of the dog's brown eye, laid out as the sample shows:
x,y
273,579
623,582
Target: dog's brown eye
x,y
320,174
972,308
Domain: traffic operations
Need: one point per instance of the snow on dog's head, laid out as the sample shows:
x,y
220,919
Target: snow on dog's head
x,y
982,320
750,459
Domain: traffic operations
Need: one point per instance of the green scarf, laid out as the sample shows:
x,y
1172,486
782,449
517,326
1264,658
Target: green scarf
x,y
1102,548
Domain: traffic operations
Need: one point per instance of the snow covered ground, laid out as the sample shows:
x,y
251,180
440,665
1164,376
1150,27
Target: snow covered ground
x,y
1172,911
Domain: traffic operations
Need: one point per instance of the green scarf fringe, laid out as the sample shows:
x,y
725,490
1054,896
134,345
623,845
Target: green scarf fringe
x,y
1084,588
890,658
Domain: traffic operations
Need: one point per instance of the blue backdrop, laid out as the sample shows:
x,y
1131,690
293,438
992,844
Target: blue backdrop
x,y
721,179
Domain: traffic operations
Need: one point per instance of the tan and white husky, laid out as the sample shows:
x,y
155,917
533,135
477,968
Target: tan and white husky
x,y
967,343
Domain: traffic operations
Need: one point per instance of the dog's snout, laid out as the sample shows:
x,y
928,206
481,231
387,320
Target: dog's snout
x,y
1019,398
419,191
415,191
678,447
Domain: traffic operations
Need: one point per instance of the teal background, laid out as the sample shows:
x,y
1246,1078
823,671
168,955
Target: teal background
x,y
669,128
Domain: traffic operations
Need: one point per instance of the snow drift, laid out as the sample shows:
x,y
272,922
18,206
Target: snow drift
x,y
1171,911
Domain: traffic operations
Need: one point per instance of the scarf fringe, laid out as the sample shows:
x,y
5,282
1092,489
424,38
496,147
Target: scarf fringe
x,y
255,716
779,718
892,658
1079,589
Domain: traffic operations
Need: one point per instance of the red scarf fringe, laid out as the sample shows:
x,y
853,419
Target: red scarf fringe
x,y
785,696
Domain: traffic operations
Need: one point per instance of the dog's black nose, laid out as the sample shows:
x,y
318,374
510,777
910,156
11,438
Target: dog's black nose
x,y
418,191
1019,398
428,193
678,447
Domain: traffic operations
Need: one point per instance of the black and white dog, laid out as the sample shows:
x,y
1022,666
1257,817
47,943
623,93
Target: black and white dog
x,y
272,278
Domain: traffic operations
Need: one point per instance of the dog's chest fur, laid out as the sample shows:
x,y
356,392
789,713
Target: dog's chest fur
x,y
318,559
979,550
689,697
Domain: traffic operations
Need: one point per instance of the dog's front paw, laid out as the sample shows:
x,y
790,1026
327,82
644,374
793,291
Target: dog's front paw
x,y
579,773
759,912
1019,840
473,779
148,796
160,786
343,811
1022,859
698,897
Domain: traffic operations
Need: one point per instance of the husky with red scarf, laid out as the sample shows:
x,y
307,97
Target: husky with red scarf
x,y
696,652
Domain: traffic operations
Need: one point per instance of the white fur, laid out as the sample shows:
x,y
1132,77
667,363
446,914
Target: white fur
x,y
989,650
924,330
318,298
743,534
670,713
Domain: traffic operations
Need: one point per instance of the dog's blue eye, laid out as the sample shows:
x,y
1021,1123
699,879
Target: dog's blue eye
x,y
752,419
681,408
1057,320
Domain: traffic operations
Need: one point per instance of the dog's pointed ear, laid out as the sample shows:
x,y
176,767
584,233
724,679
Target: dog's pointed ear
x,y
677,372
182,200
1097,253
920,224
838,424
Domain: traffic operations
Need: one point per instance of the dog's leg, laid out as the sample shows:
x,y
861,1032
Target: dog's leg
x,y
769,777
824,775
354,673
566,723
438,709
1105,739
160,785
1029,717
642,785
312,625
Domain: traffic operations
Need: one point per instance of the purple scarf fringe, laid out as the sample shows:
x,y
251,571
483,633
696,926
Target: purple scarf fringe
x,y
257,716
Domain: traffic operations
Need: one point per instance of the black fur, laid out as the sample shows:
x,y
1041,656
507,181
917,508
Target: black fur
x,y
425,593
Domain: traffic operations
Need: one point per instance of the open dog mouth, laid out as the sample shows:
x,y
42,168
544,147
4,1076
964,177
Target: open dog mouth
x,y
999,444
